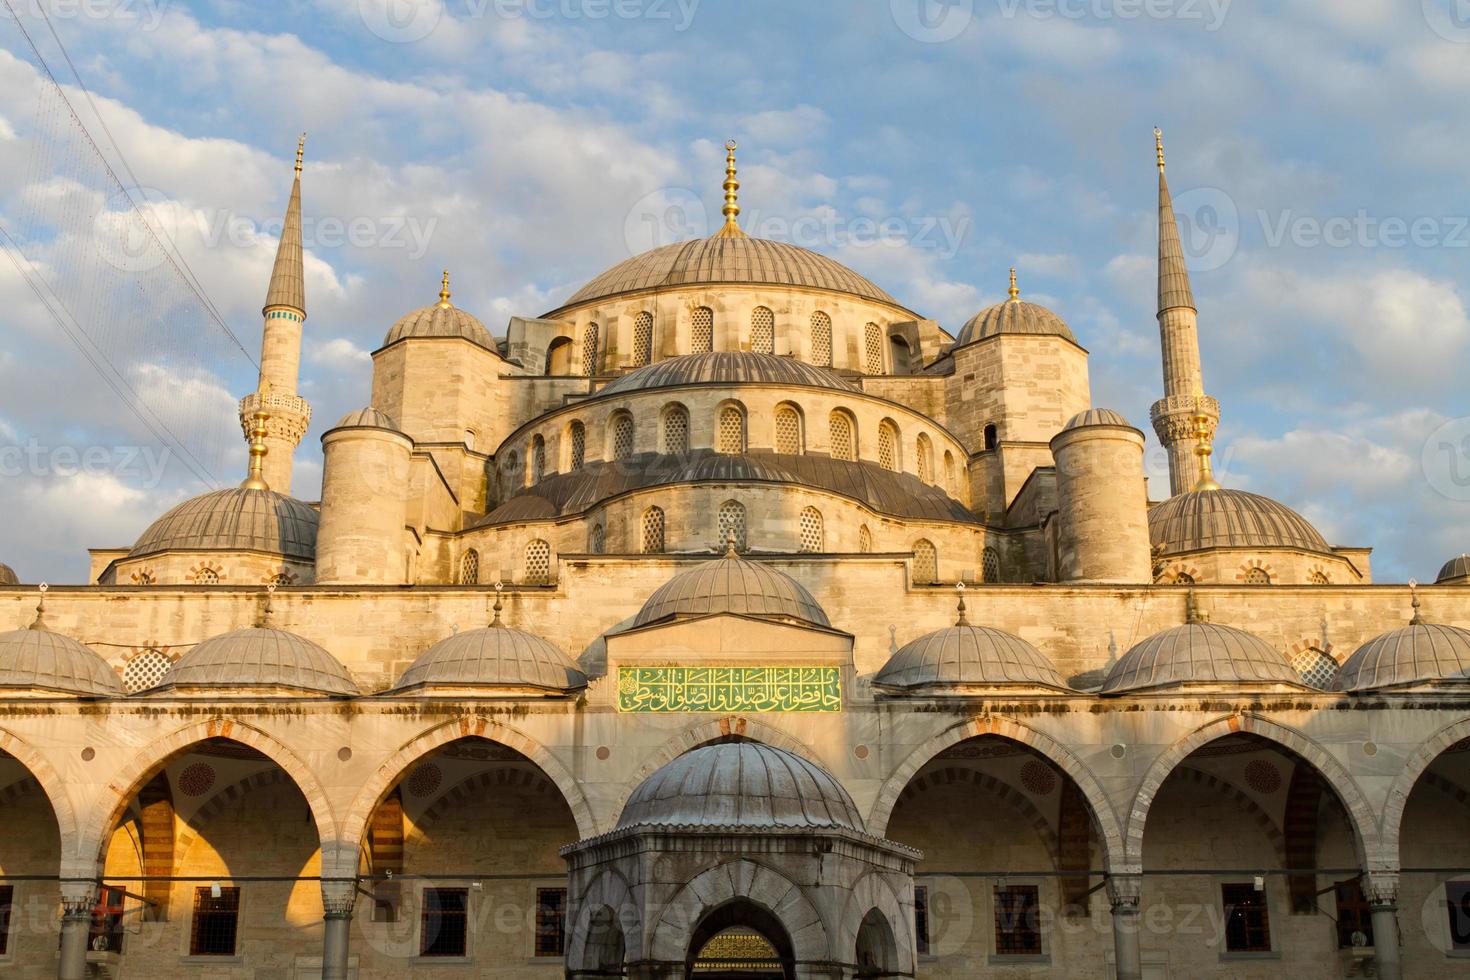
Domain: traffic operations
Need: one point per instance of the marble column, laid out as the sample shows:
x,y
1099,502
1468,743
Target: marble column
x,y
78,899
1125,892
1381,888
338,898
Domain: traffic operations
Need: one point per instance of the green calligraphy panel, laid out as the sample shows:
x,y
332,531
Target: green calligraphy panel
x,y
729,689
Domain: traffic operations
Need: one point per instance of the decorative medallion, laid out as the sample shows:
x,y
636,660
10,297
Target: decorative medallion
x,y
424,779
1038,778
1262,776
196,779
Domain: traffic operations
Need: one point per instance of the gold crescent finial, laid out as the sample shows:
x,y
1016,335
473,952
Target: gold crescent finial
x,y
1204,450
959,588
258,449
1159,145
300,153
731,209
444,292
1416,619
1015,290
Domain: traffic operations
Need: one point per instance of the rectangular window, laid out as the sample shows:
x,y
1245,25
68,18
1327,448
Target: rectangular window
x,y
1457,897
1247,924
921,918
1018,921
1353,913
216,922
7,899
551,921
445,922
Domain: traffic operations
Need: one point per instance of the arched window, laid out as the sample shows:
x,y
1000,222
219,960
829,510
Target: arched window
x,y
873,348
653,531
1257,576
821,339
702,331
900,355
643,339
538,459
596,540
732,524
865,540
926,563
590,350
1318,577
924,457
622,436
206,576
578,454
676,430
513,474
992,437
990,565
843,437
145,671
763,331
538,563
949,474
788,430
1315,668
559,357
888,446
813,537
1183,578
730,437
469,568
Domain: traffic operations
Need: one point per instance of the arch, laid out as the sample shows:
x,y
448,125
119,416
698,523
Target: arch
x,y
888,446
674,430
499,777
538,458
790,431
872,349
1361,817
739,881
1110,830
194,826
539,568
596,539
900,355
50,782
559,357
874,907
992,438
842,436
1391,821
125,784
1007,794
730,428
620,444
926,562
733,524
763,330
610,891
951,482
643,339
821,339
812,532
355,819
590,350
702,330
990,565
576,445
924,457
1237,796
653,531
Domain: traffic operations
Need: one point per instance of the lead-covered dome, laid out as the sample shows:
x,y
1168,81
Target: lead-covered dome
x,y
1204,519
1096,416
38,661
236,519
963,657
8,576
1417,654
258,657
1014,316
440,320
495,656
741,785
367,418
727,367
733,585
1456,571
1200,654
726,260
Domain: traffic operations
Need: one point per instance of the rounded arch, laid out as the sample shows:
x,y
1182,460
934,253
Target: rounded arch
x,y
674,429
842,437
1361,816
354,821
731,430
1386,855
194,826
621,435
1263,820
608,891
125,784
738,881
50,783
1110,830
790,429
576,442
874,893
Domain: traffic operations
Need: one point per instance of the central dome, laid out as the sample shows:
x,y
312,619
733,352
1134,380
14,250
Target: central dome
x,y
732,585
726,367
722,261
741,784
1203,519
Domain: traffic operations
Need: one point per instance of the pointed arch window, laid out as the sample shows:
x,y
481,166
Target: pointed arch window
x,y
763,331
990,566
538,563
888,446
702,331
873,348
924,457
596,540
578,454
676,430
538,459
865,540
469,568
622,436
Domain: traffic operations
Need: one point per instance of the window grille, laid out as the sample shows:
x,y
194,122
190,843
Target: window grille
x,y
873,348
597,540
887,447
702,331
924,458
812,536
843,444
579,446
653,531
865,540
732,523
643,339
788,431
1017,921
1315,668
763,331
551,921
7,900
469,568
216,922
145,671
623,437
926,563
538,563
1247,922
589,350
445,922
1257,576
1318,577
990,565
821,339
732,430
676,430
206,576
538,459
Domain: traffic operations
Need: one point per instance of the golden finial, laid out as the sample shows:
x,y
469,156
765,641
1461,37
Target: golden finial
x,y
300,153
256,478
40,621
1416,619
268,607
1015,292
1191,610
444,292
959,588
1159,145
730,550
732,205
495,620
1204,450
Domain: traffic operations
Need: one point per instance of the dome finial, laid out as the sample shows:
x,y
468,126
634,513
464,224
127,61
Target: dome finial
x,y
495,621
1015,292
730,550
267,608
40,621
255,480
731,209
1159,145
1416,619
1203,449
300,153
959,588
444,292
1192,615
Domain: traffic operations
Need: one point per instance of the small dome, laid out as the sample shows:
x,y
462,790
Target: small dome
x,y
1014,316
1199,653
1455,571
36,659
1096,416
969,656
727,367
732,585
258,657
1421,653
8,576
235,520
741,784
720,261
369,418
496,656
440,320
1204,519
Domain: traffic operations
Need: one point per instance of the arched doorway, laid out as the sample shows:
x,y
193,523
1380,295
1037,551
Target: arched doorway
x,y
877,949
740,941
1434,905
29,852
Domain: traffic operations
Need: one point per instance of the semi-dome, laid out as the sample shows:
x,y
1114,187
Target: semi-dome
x,y
732,585
741,785
726,260
1456,571
236,519
8,576
965,656
1096,416
1014,316
1200,653
1205,519
40,661
260,657
495,656
443,319
369,418
727,367
1420,653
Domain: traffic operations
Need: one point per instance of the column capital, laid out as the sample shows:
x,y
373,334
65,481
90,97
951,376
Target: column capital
x,y
78,897
1125,891
1381,888
339,896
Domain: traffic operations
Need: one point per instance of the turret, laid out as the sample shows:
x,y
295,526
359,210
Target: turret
x,y
365,487
1102,500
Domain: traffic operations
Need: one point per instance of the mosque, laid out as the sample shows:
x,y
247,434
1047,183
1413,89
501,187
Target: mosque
x,y
734,620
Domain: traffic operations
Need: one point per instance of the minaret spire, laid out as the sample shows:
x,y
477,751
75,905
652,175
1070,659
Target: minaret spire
x,y
287,413
1015,291
731,209
1185,418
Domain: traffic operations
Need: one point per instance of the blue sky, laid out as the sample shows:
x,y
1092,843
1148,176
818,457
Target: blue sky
x,y
1316,150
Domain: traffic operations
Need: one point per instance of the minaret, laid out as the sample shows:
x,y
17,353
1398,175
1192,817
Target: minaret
x,y
280,350
1185,418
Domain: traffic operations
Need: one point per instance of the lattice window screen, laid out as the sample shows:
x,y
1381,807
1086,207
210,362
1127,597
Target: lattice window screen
x,y
821,339
812,536
589,350
990,565
579,446
865,540
597,540
538,460
676,431
206,576
145,671
788,431
926,563
538,563
469,568
873,348
1257,576
732,430
1315,668
924,457
643,339
763,331
702,333
1318,578
841,437
653,531
887,447
732,523
623,437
